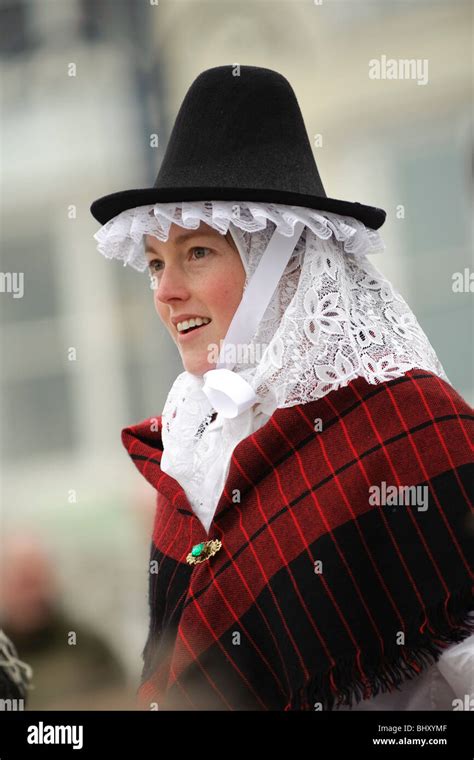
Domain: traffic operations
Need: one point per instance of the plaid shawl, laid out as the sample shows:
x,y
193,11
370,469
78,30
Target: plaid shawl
x,y
333,582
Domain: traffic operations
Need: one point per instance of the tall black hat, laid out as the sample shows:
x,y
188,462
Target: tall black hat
x,y
239,135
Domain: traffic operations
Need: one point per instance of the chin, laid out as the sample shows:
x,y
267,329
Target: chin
x,y
196,367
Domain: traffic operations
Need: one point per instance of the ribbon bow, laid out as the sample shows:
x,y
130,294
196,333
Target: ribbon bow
x,y
229,394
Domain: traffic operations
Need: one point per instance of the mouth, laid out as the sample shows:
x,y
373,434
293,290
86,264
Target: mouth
x,y
190,331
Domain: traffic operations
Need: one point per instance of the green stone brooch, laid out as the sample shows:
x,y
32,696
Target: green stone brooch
x,y
203,551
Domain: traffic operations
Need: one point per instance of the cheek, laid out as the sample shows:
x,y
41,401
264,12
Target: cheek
x,y
224,300
227,292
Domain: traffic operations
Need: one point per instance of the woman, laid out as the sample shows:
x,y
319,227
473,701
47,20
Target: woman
x,y
311,542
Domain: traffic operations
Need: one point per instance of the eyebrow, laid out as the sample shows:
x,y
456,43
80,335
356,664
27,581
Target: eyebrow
x,y
181,238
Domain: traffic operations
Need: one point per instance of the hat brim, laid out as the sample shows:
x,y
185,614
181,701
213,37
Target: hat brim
x,y
105,208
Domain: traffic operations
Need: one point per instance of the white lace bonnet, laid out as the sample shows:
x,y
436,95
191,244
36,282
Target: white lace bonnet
x,y
315,313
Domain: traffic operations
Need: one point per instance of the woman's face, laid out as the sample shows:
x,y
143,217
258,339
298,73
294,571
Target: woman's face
x,y
196,273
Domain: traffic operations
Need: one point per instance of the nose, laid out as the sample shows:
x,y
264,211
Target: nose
x,y
170,283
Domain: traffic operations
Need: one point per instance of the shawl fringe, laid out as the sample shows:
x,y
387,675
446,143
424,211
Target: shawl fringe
x,y
341,684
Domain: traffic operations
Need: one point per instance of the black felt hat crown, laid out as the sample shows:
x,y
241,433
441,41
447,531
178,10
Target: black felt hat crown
x,y
238,137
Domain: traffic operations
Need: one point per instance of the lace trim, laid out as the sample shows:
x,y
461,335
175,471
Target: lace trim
x,y
18,671
122,237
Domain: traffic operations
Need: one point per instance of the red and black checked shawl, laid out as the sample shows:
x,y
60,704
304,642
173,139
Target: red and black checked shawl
x,y
255,626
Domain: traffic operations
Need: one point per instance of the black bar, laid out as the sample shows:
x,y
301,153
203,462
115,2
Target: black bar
x,y
140,733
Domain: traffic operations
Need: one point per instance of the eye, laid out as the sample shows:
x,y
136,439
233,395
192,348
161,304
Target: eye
x,y
152,265
200,248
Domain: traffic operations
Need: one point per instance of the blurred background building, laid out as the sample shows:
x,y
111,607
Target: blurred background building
x,y
85,84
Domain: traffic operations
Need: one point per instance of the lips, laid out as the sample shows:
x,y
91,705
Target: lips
x,y
188,334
